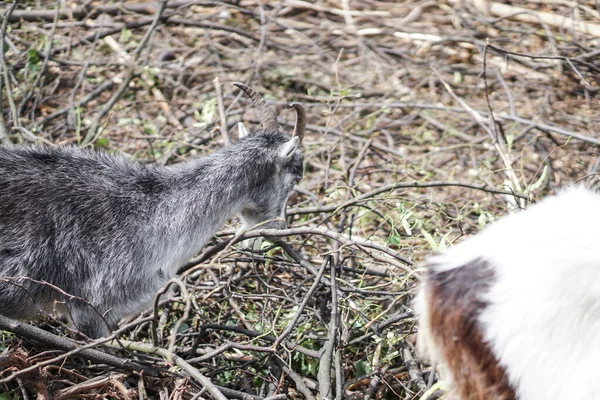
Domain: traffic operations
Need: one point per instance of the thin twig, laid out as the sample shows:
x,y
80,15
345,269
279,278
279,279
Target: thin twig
x,y
70,347
307,298
298,381
95,124
180,362
402,185
221,108
327,356
4,81
42,71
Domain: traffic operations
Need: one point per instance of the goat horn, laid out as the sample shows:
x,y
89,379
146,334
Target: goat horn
x,y
268,117
300,125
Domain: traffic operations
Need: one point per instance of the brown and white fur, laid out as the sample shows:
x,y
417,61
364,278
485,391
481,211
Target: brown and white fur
x,y
514,311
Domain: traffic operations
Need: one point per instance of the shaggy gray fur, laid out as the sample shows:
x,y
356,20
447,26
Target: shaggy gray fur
x,y
113,231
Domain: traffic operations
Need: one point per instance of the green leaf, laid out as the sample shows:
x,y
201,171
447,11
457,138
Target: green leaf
x,y
406,223
432,243
126,34
33,60
208,113
363,368
101,142
510,140
33,56
457,77
482,220
183,327
394,239
149,127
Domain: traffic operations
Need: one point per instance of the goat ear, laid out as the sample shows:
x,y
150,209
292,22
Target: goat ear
x,y
286,151
242,131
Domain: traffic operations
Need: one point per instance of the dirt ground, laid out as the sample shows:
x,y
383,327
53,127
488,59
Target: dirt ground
x,y
427,120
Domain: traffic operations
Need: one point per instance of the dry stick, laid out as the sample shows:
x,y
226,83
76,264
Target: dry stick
x,y
276,381
361,244
16,281
401,185
506,88
413,369
72,348
4,79
236,309
212,354
92,131
220,27
3,135
374,385
262,349
154,324
186,313
339,370
562,58
302,261
357,162
185,295
326,361
72,109
93,9
141,389
234,394
588,56
253,334
354,381
509,171
81,102
263,40
351,176
348,14
307,297
335,11
44,64
221,107
180,362
93,383
168,20
538,125
298,381
499,143
31,137
549,128
305,264
531,16
378,328
103,33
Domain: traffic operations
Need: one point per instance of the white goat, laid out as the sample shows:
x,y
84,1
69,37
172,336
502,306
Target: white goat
x,y
514,311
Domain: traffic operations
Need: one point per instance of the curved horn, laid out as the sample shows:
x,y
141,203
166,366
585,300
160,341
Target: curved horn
x,y
268,117
300,121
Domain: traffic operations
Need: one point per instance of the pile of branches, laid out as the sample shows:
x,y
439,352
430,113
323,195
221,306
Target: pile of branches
x,y
427,120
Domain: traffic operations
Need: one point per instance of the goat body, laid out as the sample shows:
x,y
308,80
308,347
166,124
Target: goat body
x,y
96,235
514,311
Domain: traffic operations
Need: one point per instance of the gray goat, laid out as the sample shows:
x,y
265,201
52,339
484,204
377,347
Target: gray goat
x,y
110,232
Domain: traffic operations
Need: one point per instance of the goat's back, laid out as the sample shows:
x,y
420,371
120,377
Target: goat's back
x,y
62,213
518,305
